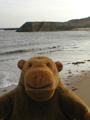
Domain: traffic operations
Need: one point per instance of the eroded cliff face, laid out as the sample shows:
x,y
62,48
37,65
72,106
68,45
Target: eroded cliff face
x,y
39,26
54,26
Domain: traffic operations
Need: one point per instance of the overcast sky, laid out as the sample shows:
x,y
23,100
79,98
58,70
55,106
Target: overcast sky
x,y
14,13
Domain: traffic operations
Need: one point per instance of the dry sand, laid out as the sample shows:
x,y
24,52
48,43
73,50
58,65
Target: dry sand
x,y
79,84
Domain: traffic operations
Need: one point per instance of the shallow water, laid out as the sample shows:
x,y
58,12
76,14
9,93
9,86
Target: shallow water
x,y
65,46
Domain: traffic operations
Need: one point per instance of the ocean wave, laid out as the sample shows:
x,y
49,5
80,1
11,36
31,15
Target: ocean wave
x,y
8,59
29,50
51,51
8,78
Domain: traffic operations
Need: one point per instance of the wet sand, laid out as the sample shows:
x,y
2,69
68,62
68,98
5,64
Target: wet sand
x,y
6,89
80,84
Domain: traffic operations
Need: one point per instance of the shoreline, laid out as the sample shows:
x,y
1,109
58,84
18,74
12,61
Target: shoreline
x,y
6,89
79,84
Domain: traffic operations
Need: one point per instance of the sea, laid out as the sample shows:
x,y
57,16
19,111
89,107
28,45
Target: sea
x,y
68,47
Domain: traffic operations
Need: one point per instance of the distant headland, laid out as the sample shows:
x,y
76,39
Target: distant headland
x,y
8,28
54,26
74,24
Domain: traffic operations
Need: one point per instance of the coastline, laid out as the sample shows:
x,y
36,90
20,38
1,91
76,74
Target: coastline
x,y
79,84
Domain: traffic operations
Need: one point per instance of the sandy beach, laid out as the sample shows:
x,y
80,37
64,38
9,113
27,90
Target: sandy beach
x,y
79,84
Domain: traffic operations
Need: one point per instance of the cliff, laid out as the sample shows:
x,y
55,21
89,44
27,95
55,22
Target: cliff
x,y
54,26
